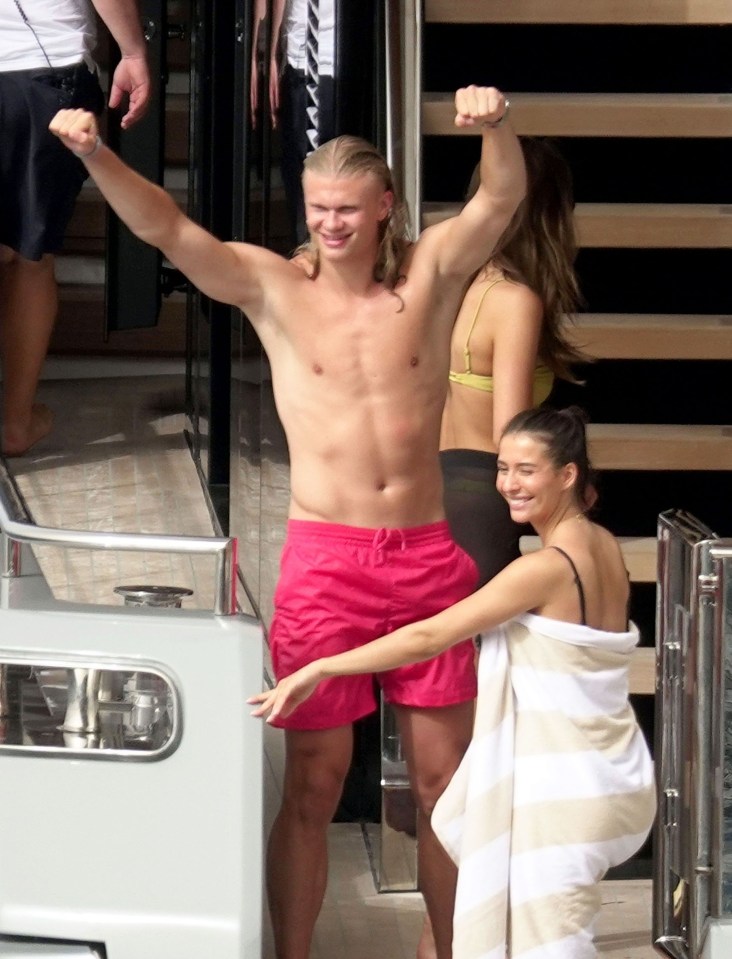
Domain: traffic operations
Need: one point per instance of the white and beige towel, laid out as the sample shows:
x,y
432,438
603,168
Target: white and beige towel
x,y
556,787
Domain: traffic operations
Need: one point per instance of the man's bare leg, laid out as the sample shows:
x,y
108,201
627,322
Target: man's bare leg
x,y
316,765
28,307
434,742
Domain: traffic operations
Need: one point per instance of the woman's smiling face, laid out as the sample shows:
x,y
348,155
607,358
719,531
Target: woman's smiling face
x,y
531,484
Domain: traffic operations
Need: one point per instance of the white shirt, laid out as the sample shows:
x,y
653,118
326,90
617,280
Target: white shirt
x,y
65,28
294,26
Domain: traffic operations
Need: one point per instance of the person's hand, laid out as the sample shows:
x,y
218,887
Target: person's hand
x,y
477,105
287,694
131,77
77,130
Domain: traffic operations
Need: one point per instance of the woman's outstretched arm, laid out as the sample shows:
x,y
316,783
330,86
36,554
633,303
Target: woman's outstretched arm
x,y
523,585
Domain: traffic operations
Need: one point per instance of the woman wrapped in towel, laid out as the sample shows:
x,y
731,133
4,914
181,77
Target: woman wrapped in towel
x,y
557,785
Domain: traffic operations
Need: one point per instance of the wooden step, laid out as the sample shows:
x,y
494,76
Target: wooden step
x,y
80,327
86,232
635,225
653,336
654,225
80,270
642,672
87,228
89,218
579,11
630,446
639,555
597,115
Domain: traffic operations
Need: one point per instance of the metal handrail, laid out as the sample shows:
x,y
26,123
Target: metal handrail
x,y
17,528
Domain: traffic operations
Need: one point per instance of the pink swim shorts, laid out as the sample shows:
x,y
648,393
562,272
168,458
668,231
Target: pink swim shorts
x,y
341,587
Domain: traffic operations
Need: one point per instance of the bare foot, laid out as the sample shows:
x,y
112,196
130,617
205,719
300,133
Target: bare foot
x,y
18,440
426,948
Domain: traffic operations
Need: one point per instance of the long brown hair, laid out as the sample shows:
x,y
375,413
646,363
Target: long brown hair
x,y
539,246
348,156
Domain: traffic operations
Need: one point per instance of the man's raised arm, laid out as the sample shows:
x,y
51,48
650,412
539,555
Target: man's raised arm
x,y
467,240
230,272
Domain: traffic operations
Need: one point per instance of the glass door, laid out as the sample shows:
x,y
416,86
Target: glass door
x,y
214,51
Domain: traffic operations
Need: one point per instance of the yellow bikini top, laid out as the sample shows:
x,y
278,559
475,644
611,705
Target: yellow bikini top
x,y
543,376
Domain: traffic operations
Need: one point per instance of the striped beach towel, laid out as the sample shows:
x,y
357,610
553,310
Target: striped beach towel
x,y
556,787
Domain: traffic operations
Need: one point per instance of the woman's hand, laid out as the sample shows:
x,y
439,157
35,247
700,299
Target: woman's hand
x,y
288,693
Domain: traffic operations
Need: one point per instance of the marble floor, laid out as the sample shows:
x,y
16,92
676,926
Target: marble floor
x,y
118,460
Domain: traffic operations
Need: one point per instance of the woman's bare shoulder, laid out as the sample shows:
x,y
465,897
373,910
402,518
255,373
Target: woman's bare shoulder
x,y
600,550
543,566
518,295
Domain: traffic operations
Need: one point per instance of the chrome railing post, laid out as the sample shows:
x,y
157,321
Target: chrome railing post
x,y
706,737
403,81
226,564
720,574
10,556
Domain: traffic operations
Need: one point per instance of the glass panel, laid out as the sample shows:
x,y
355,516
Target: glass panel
x,y
248,190
395,858
96,710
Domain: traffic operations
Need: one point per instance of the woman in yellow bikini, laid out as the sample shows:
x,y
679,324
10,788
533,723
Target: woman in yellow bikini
x,y
508,345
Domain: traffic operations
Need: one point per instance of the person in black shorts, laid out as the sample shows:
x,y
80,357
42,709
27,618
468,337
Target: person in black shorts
x,y
45,65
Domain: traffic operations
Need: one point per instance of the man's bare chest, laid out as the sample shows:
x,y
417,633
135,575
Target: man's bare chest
x,y
366,346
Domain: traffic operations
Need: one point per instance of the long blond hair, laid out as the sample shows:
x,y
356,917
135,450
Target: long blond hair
x,y
348,156
539,246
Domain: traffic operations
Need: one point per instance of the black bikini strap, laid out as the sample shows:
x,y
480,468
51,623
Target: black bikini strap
x,y
577,580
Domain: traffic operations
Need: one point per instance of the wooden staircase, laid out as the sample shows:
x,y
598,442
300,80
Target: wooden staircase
x,y
596,115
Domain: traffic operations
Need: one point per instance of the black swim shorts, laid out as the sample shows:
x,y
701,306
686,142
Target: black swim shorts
x,y
39,178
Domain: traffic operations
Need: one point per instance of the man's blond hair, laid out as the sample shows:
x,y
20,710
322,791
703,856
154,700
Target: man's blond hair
x,y
349,156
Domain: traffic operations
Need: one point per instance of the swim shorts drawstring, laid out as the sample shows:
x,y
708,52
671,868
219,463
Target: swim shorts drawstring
x,y
383,536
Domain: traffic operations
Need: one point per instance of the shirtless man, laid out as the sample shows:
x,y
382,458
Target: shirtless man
x,y
357,330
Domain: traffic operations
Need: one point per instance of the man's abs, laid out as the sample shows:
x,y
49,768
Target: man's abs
x,y
358,493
